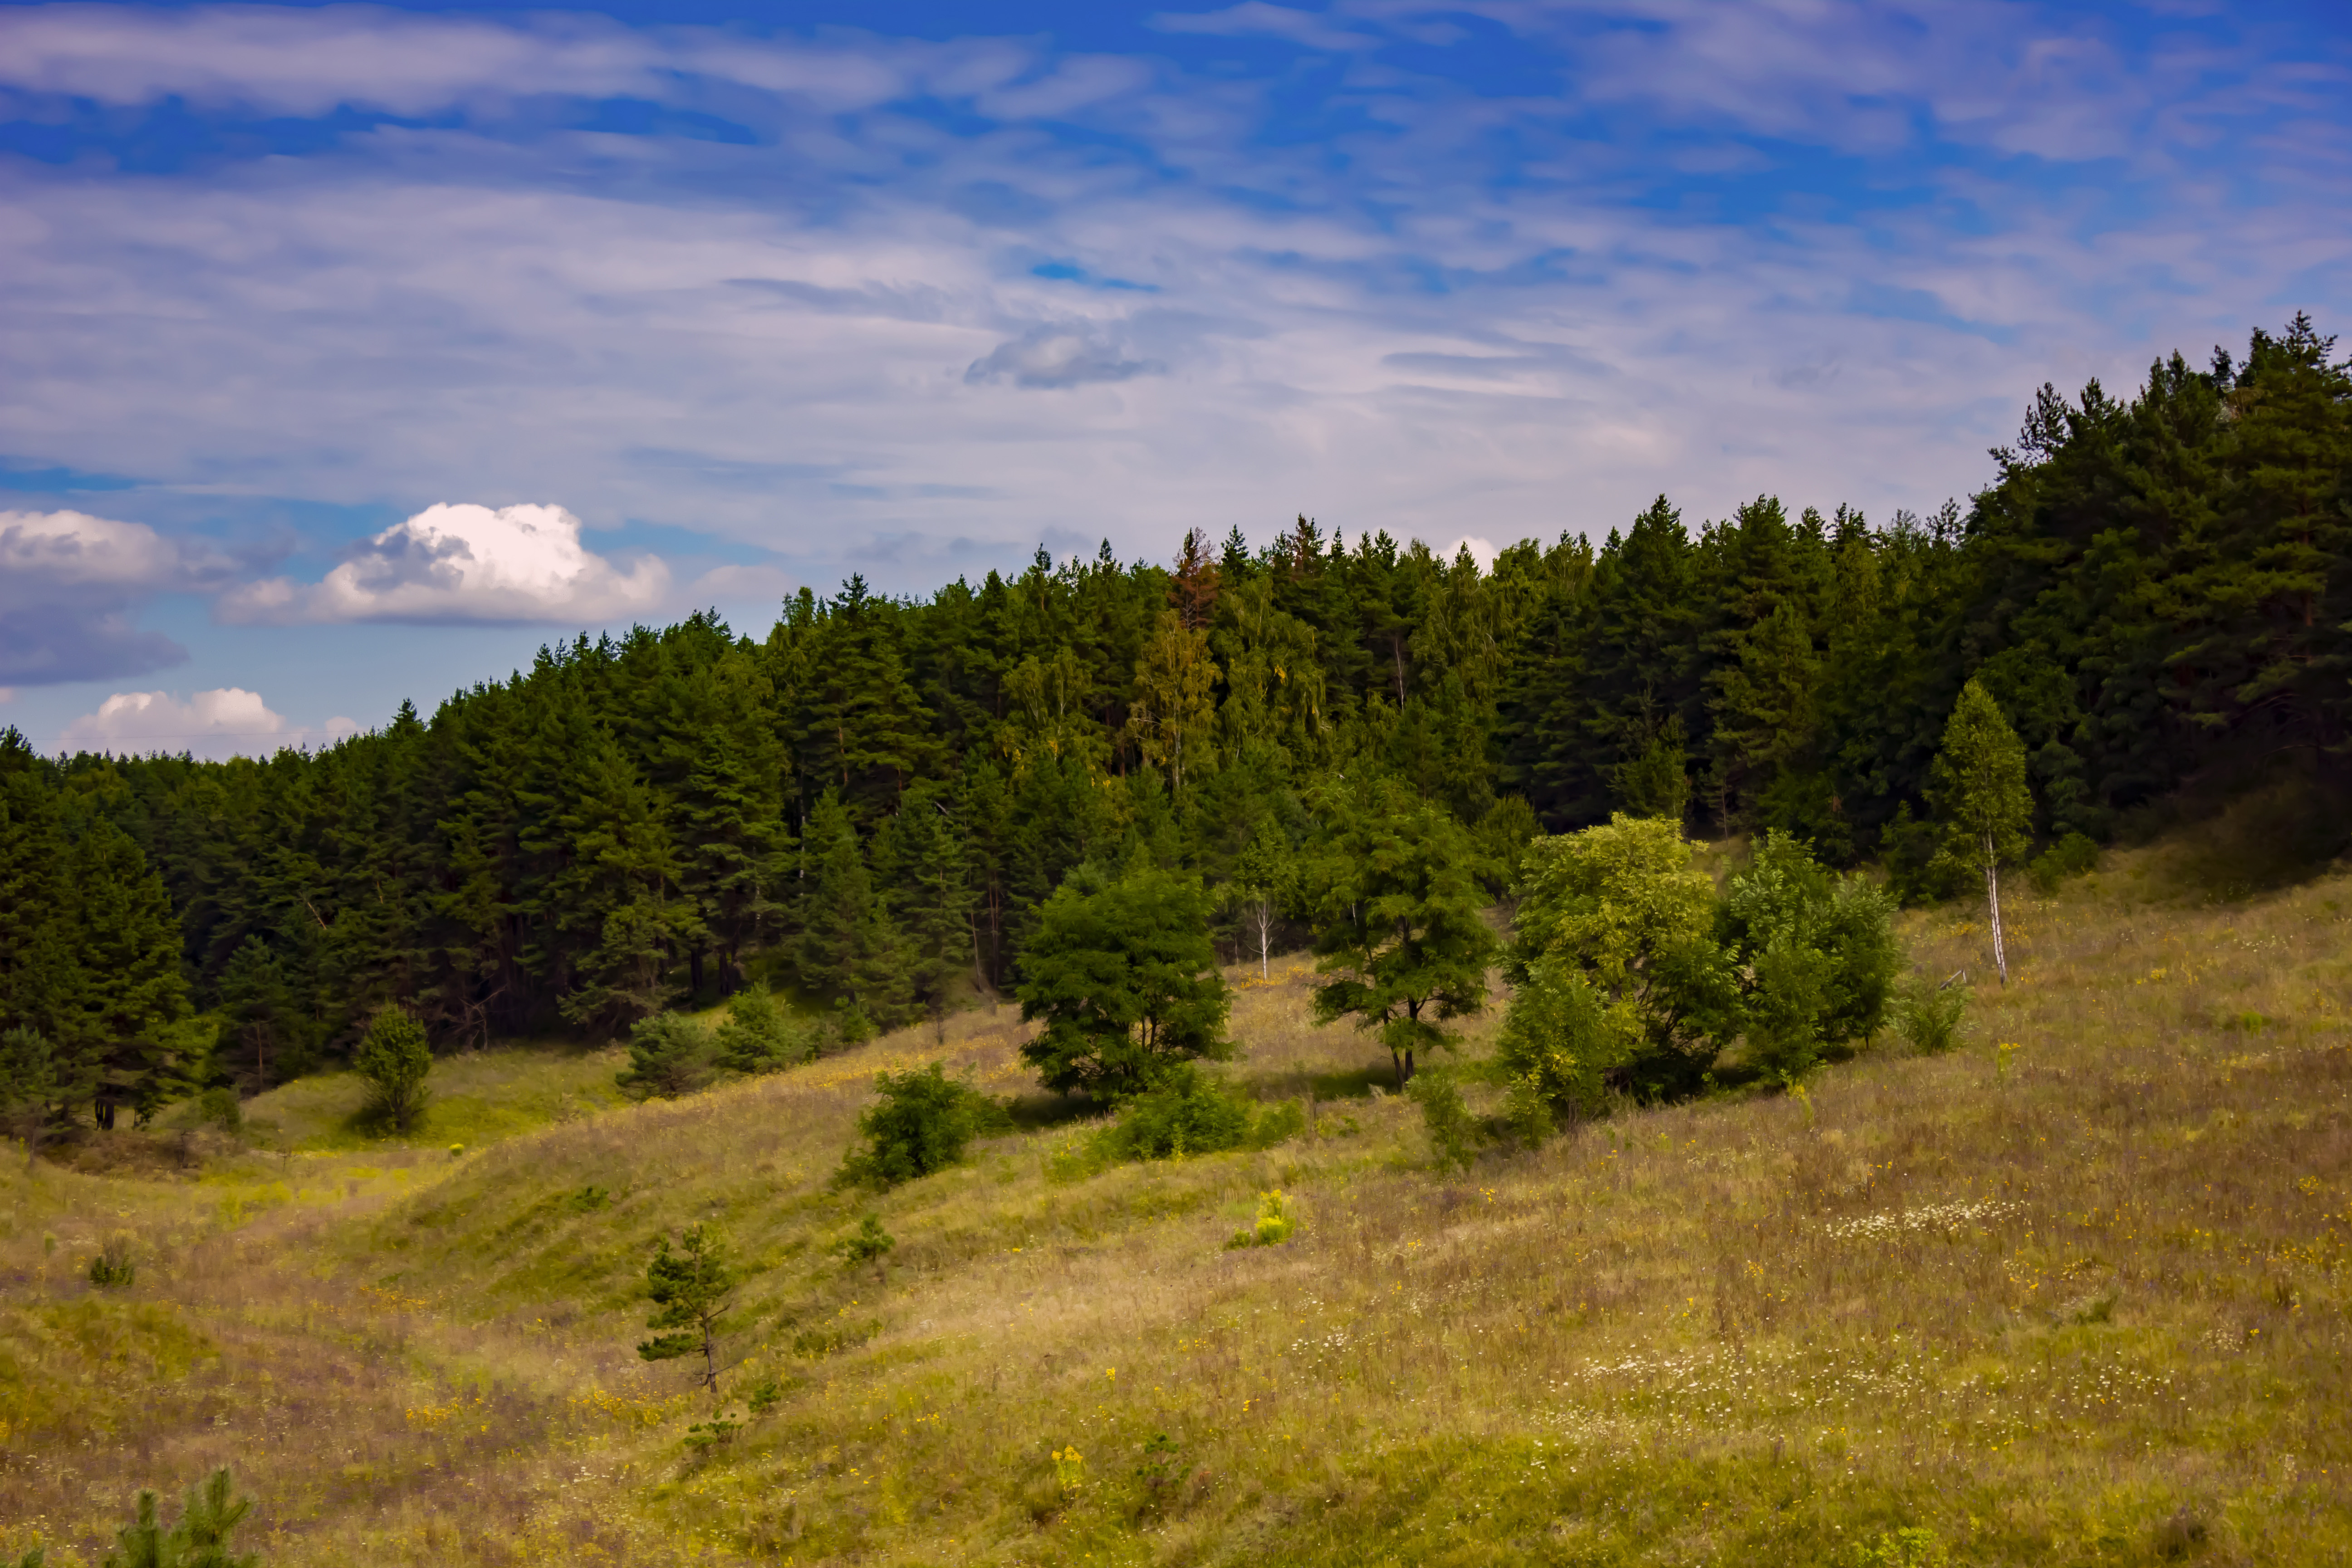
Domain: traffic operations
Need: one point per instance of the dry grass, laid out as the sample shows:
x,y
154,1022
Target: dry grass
x,y
2080,1302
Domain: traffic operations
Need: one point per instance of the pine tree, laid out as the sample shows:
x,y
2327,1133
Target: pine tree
x,y
692,1289
116,1028
1980,793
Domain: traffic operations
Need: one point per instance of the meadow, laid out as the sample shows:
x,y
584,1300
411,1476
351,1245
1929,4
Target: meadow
x,y
2072,1293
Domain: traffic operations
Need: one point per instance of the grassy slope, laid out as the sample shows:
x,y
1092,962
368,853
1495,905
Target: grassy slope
x,y
2086,1306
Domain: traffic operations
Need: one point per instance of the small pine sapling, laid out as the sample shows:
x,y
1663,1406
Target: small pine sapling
x,y
210,1514
692,1288
869,1243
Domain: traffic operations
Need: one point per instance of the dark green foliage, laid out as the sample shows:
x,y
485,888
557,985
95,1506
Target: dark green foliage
x,y
1124,975
1820,951
757,1037
395,1058
692,1289
669,1054
1187,1112
1398,925
28,1085
198,1539
919,1124
880,796
2070,857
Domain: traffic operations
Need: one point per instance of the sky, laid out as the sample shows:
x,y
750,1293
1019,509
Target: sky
x,y
350,353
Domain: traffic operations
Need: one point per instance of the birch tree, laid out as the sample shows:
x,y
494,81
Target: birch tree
x,y
1978,788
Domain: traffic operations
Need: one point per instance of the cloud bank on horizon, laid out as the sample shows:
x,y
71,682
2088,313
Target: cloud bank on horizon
x,y
871,293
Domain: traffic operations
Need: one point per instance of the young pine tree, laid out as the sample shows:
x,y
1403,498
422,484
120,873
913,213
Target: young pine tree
x,y
692,1290
1978,790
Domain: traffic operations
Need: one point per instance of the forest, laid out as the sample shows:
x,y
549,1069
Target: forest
x,y
869,806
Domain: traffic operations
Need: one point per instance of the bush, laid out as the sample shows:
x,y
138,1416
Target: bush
x,y
1186,1112
1560,1042
395,1058
114,1269
669,1054
1931,1018
221,1107
758,1036
1453,1133
2070,857
919,1125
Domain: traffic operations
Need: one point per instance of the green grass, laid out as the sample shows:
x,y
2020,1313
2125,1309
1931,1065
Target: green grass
x,y
2080,1302
478,1097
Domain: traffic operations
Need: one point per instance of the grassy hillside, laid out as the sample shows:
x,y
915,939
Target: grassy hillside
x,y
2075,1294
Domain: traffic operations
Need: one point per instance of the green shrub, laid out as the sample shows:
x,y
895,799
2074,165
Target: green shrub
x,y
114,1268
221,1107
919,1124
758,1036
395,1059
869,1243
2070,857
1186,1112
1452,1131
669,1054
1932,1018
1904,1549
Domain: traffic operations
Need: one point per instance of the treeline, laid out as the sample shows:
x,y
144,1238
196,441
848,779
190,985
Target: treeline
x,y
873,802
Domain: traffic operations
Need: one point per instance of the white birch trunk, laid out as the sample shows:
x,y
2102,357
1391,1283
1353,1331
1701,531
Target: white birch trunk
x,y
1992,903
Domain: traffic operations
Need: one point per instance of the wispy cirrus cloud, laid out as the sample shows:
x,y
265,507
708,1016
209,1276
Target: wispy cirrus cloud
x,y
820,290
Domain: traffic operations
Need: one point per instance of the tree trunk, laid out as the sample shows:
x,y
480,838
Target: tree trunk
x,y
1265,923
1992,903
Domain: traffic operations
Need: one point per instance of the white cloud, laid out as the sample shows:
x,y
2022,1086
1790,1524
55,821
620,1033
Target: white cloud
x,y
77,549
465,563
1482,551
222,723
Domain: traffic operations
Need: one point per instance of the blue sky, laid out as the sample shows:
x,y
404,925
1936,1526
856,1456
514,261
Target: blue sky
x,y
348,353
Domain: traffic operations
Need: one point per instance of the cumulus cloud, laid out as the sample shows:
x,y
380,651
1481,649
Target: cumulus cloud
x,y
222,723
70,584
465,563
1057,356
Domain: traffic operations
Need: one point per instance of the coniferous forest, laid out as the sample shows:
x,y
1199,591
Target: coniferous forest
x,y
868,802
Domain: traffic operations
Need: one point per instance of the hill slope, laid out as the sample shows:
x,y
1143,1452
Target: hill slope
x,y
2080,1301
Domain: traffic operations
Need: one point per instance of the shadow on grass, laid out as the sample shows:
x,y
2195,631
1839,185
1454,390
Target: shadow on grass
x,y
1354,1083
1035,1109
